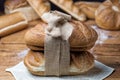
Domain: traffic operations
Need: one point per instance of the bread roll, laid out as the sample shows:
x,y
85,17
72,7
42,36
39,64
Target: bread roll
x,y
80,62
88,8
82,38
21,6
107,16
69,7
11,23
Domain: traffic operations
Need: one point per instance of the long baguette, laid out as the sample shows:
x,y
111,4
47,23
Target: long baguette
x,y
11,19
40,6
69,7
12,23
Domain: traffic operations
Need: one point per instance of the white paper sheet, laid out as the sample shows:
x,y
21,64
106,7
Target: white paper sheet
x,y
99,72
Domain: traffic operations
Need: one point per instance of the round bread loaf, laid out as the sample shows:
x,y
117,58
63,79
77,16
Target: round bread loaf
x,y
107,16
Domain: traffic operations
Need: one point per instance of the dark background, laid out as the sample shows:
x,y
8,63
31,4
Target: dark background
x,y
53,6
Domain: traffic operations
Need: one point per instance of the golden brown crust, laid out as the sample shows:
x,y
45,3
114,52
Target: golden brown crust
x,y
82,38
108,16
88,8
12,23
90,23
82,61
13,4
70,8
40,6
39,48
10,19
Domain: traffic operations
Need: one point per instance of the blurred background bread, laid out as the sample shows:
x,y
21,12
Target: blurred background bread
x,y
11,23
107,16
40,6
21,6
88,8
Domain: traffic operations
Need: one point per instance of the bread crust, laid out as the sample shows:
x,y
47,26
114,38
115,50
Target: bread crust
x,y
69,7
107,16
82,38
12,23
14,4
40,6
81,62
88,8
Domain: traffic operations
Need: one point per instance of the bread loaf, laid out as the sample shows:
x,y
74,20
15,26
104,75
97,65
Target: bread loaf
x,y
21,6
69,7
107,16
88,8
80,63
11,23
40,6
82,38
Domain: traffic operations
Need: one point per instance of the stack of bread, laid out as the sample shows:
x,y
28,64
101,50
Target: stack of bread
x,y
81,40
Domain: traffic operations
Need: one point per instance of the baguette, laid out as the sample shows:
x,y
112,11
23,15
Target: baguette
x,y
11,23
40,6
70,8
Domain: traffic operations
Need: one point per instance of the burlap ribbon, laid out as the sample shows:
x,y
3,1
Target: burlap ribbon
x,y
57,48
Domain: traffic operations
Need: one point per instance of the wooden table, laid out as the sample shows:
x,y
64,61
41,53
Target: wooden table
x,y
12,45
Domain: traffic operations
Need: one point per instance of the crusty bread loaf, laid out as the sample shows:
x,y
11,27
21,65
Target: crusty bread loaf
x,y
11,23
82,38
70,8
107,16
88,8
80,62
40,6
90,23
21,6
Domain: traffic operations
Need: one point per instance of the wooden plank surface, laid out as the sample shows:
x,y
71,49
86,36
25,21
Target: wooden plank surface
x,y
12,45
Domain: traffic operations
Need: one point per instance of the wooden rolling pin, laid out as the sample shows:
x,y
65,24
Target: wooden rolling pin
x,y
12,23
